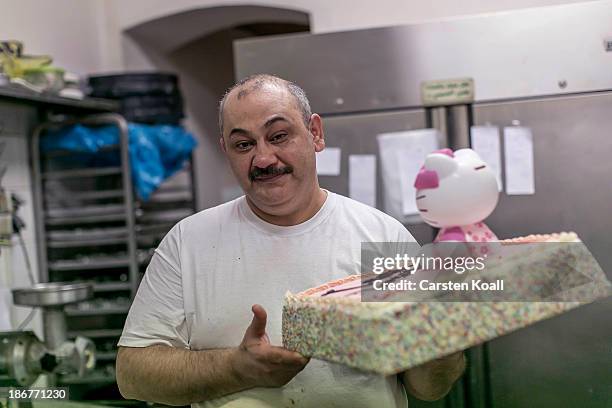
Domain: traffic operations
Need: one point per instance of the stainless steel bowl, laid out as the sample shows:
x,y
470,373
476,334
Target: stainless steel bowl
x,y
52,294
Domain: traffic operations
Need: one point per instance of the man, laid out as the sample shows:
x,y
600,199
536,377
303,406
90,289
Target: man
x,y
185,341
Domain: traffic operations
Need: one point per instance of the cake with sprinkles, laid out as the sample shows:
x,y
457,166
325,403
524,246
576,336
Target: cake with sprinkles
x,y
331,322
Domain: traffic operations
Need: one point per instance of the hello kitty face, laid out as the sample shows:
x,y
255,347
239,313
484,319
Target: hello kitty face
x,y
455,189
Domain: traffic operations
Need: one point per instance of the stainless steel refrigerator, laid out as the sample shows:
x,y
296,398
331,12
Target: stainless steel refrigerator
x,y
549,69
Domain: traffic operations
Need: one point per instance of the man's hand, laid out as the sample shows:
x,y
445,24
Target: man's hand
x,y
176,376
433,380
261,364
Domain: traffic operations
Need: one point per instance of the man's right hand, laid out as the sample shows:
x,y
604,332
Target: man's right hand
x,y
261,364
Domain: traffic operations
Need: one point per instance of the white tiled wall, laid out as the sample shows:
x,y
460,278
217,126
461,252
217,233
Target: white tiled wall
x,y
15,156
17,180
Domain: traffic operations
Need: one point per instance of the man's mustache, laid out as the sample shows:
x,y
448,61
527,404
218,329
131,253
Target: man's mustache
x,y
269,171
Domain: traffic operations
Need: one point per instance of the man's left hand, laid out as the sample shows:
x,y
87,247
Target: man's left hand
x,y
434,379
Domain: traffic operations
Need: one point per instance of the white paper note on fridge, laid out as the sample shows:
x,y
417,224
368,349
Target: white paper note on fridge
x,y
485,142
362,178
402,155
518,156
328,161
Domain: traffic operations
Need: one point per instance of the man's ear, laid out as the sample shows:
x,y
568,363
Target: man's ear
x,y
316,130
222,144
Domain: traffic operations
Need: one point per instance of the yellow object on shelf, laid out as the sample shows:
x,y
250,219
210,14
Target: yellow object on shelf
x,y
14,64
15,67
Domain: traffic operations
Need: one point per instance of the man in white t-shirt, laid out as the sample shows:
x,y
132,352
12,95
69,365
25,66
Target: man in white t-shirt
x,y
187,338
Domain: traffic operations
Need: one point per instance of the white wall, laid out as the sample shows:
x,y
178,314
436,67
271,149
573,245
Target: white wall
x,y
332,15
17,181
325,15
69,30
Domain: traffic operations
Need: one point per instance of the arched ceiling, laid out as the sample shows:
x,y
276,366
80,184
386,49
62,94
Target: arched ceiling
x,y
171,32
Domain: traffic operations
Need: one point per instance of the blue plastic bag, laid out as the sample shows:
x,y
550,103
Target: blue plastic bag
x,y
156,151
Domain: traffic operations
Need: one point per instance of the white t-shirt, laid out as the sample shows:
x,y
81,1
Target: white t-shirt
x,y
212,267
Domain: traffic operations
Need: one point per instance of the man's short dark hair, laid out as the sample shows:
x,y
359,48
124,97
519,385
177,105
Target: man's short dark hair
x,y
257,81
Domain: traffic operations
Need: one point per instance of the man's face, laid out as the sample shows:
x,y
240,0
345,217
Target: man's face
x,y
270,149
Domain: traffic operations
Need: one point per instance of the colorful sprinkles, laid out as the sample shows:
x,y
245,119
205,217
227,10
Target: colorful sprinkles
x,y
391,337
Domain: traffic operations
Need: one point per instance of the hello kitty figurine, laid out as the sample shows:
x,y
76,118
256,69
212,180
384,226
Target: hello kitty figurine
x,y
456,192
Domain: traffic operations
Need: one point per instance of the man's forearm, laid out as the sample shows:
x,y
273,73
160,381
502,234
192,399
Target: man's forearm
x,y
433,380
175,376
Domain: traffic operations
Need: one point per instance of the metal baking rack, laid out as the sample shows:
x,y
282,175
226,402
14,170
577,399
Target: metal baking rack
x,y
91,227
